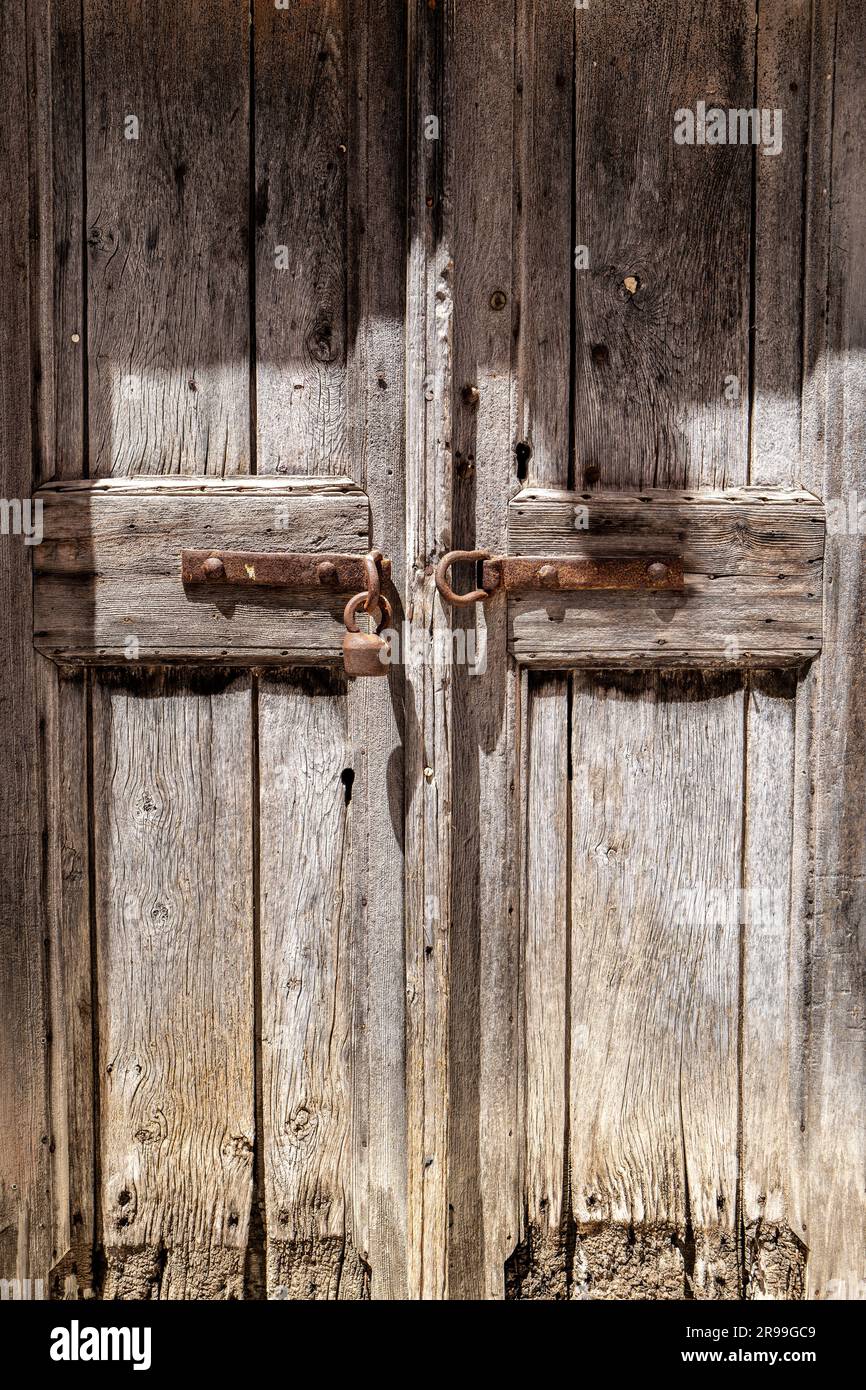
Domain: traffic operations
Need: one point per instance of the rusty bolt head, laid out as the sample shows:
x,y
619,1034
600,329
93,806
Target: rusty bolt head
x,y
548,574
327,572
214,568
498,299
657,570
470,394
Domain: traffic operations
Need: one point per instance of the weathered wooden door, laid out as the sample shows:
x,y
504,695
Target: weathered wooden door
x,y
530,970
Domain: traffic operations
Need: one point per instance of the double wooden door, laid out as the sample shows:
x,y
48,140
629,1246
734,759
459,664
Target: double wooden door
x,y
529,970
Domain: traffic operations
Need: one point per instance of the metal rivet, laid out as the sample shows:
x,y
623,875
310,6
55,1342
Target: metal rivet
x,y
657,570
548,574
428,773
498,299
470,394
214,568
327,571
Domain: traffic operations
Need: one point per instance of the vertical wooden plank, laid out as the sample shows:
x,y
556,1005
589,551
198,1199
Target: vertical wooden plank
x,y
59,363
56,117
831,774
484,1199
656,835
662,352
173,848
308,930
25,1206
376,260
168,377
649,411
538,1270
545,257
166,105
772,968
429,491
774,935
329,364
301,148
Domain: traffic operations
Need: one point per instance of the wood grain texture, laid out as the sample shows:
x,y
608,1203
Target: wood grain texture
x,y
301,246
484,1193
62,697
654,985
57,201
428,768
653,363
772,984
309,922
650,362
376,261
831,774
172,782
167,239
774,938
25,1200
752,562
108,570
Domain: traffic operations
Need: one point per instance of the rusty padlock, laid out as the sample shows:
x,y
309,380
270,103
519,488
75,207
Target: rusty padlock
x,y
366,653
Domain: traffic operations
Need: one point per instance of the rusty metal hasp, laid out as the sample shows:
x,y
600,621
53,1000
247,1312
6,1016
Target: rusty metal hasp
x,y
567,574
278,569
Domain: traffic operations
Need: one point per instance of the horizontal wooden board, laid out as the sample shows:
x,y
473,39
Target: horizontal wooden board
x,y
108,573
752,560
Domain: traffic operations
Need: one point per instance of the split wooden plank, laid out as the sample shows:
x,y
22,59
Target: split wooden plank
x,y
168,371
831,774
172,783
108,579
25,1198
376,292
166,105
484,1194
308,928
654,974
301,143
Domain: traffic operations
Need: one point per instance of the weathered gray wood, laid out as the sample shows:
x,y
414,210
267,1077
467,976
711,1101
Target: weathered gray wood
x,y
484,1194
654,984
661,370
375,396
57,202
831,775
25,1201
772,966
302,134
308,927
168,375
62,703
174,925
544,253
774,937
167,237
752,562
545,975
651,358
108,582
